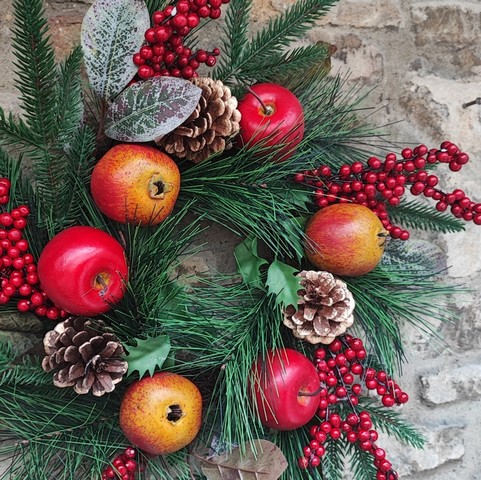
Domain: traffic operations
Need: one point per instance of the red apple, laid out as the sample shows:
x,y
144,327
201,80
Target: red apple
x,y
135,183
345,239
272,116
285,389
83,270
161,414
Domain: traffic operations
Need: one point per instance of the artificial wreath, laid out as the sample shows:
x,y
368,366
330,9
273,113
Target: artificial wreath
x,y
125,152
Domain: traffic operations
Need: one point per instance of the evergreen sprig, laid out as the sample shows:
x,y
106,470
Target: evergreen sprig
x,y
277,35
389,298
413,214
392,423
35,68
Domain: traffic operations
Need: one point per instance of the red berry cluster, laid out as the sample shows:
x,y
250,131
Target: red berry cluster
x,y
383,182
165,53
18,270
338,366
124,466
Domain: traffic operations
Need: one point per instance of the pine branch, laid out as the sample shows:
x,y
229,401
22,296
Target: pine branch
x,y
154,5
332,465
234,35
412,214
336,123
16,133
361,463
70,105
282,65
280,33
35,68
391,422
387,297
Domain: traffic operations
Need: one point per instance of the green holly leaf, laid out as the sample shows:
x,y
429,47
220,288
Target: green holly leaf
x,y
148,354
283,283
249,262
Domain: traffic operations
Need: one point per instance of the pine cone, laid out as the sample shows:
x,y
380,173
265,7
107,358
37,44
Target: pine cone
x,y
84,356
209,127
324,309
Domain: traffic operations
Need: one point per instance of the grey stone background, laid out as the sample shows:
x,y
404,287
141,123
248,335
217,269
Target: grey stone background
x,y
423,61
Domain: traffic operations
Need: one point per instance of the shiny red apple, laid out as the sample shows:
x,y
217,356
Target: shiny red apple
x,y
83,270
271,116
285,389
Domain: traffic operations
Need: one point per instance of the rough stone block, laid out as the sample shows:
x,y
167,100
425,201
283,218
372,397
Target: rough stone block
x,y
439,387
443,444
435,104
375,14
447,35
363,62
445,22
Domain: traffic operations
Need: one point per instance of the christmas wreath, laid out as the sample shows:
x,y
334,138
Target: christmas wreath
x,y
126,152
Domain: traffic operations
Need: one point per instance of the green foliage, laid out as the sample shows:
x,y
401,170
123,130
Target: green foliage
x,y
35,68
388,298
148,354
282,283
245,60
392,423
413,214
249,263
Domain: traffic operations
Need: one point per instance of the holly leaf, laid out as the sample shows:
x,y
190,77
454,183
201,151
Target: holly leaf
x,y
148,354
283,283
112,31
249,263
256,460
146,111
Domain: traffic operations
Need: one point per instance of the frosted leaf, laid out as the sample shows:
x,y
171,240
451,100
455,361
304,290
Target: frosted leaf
x,y
112,31
150,109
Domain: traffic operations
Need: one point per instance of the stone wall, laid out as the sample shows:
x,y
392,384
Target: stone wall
x,y
422,60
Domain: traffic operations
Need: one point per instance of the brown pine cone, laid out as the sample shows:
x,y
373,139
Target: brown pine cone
x,y
208,129
324,309
84,356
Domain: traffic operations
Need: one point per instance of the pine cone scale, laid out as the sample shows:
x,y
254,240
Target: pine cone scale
x,y
209,127
324,309
93,360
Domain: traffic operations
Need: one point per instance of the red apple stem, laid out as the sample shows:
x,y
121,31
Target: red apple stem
x,y
311,394
267,109
99,279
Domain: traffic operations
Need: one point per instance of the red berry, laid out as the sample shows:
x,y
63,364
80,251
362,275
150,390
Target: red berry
x,y
146,53
149,35
23,305
203,11
20,223
215,13
179,21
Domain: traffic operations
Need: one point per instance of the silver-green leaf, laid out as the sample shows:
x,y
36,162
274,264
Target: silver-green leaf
x,y
148,110
112,31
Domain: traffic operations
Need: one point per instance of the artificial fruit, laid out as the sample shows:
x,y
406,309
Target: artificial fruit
x,y
272,116
284,387
346,239
135,183
161,414
83,270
